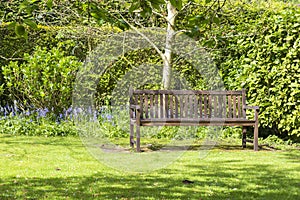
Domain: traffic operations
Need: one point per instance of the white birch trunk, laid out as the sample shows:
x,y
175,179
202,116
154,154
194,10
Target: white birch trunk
x,y
167,59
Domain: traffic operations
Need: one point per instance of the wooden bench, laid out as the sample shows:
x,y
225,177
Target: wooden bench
x,y
190,108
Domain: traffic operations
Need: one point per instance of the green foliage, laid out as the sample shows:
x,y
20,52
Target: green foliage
x,y
259,51
275,142
18,125
140,62
45,79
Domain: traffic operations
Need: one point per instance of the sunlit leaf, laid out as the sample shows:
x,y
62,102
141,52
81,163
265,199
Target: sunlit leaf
x,y
20,30
30,23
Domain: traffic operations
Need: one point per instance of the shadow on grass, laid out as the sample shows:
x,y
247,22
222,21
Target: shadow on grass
x,y
213,180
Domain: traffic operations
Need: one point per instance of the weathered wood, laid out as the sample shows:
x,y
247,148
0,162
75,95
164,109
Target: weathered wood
x,y
209,106
239,107
224,106
200,105
234,106
189,108
161,102
256,130
181,106
138,136
244,137
215,106
205,106
171,107
141,105
195,100
146,106
166,102
229,107
131,102
156,106
151,106
244,102
186,106
186,92
176,106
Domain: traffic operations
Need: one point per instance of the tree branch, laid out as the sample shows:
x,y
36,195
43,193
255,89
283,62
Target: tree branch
x,y
12,59
145,37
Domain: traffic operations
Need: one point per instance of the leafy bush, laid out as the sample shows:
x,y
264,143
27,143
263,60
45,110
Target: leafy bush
x,y
45,79
259,51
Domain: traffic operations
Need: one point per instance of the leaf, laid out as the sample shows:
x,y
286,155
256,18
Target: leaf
x,y
216,20
20,30
11,25
147,11
49,4
134,6
155,6
177,4
30,23
207,1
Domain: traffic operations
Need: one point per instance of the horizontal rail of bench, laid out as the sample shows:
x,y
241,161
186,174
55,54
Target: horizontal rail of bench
x,y
195,122
187,92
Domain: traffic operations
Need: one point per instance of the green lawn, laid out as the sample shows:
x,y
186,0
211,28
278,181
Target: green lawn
x,y
61,168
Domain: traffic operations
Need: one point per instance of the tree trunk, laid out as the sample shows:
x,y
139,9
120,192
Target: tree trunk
x,y
167,60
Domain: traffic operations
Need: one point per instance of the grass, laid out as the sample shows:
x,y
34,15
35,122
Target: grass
x,y
62,168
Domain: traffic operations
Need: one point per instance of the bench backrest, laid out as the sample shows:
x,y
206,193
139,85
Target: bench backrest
x,y
188,104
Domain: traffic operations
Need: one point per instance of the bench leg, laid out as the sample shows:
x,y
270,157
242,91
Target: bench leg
x,y
244,138
256,137
131,141
138,147
256,131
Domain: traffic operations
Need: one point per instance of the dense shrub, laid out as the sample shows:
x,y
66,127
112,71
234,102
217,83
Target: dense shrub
x,y
44,80
259,51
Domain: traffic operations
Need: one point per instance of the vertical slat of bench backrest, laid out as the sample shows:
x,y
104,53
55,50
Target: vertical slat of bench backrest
x,y
161,105
141,105
191,107
220,105
146,106
181,106
176,106
156,105
224,106
136,102
131,102
209,105
200,103
166,113
171,106
186,105
151,106
229,106
244,102
196,101
205,99
239,107
234,106
215,104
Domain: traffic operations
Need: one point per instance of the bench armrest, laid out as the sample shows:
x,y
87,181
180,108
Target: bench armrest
x,y
135,107
251,107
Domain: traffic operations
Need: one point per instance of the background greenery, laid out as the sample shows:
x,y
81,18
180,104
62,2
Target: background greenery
x,y
255,46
